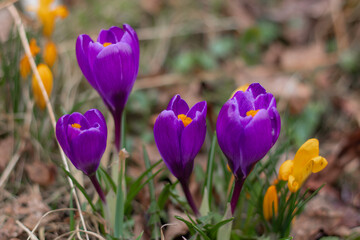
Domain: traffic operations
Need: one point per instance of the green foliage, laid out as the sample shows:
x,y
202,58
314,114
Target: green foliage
x,y
302,127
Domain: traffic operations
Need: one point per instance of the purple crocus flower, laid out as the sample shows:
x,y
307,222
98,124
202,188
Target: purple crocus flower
x,y
248,126
111,66
179,134
83,139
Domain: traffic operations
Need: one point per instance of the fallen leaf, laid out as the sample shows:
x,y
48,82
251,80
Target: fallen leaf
x,y
41,173
6,150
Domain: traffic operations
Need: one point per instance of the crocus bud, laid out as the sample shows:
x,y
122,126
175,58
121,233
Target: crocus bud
x,y
306,161
50,53
111,66
47,80
270,203
248,126
179,133
83,139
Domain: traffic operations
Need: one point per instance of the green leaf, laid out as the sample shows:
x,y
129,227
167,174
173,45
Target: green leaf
x,y
132,194
224,231
217,226
193,226
139,237
210,169
82,190
108,178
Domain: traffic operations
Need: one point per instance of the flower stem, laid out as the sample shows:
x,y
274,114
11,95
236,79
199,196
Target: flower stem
x,y
97,186
117,122
185,187
236,193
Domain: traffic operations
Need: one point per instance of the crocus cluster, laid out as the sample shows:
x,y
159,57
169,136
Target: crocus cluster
x,y
306,161
248,126
83,139
179,133
111,66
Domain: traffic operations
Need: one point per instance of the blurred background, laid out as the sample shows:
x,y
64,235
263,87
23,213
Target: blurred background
x,y
307,53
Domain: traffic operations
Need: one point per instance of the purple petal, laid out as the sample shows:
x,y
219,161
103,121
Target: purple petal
x,y
167,134
178,105
199,107
79,119
256,142
256,89
275,123
230,132
132,39
61,134
115,73
96,119
264,101
243,102
192,138
82,49
118,33
88,149
106,36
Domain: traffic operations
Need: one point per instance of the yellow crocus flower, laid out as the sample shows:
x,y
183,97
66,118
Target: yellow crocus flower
x,y
50,53
306,161
47,80
270,202
24,62
47,15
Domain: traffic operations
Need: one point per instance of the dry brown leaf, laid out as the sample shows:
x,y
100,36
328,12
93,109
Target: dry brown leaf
x,y
6,150
28,208
41,173
176,227
305,58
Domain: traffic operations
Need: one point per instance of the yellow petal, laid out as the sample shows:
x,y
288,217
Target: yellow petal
x,y
306,152
47,79
50,53
270,202
242,88
24,67
61,11
34,48
293,185
319,164
47,19
286,170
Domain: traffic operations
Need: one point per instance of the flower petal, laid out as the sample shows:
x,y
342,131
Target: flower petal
x,y
256,89
178,105
61,134
106,36
230,132
117,32
256,141
96,119
132,39
115,73
243,102
199,109
82,49
88,149
167,134
193,137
